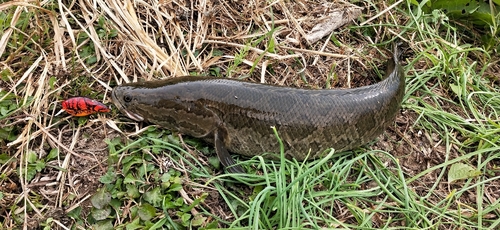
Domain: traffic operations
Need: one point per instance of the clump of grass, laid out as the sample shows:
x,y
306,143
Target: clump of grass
x,y
343,190
155,193
455,100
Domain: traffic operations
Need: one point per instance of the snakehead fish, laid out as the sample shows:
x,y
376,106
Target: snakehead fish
x,y
237,116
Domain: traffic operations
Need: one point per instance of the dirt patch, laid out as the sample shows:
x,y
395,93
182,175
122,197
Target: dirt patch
x,y
66,182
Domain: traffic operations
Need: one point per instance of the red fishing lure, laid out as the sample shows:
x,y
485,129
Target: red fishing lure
x,y
82,106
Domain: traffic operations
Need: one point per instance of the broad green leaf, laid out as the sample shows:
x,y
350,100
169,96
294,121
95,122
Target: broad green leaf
x,y
130,179
146,211
39,165
103,225
53,154
214,161
456,89
109,177
32,157
101,214
179,202
175,187
7,133
52,81
75,213
4,158
477,12
3,111
134,225
154,196
185,218
100,199
132,191
198,220
460,171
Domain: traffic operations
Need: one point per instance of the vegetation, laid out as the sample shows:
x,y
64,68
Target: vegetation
x,y
436,167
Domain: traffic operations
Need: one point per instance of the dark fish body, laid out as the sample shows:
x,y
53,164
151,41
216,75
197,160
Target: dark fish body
x,y
238,116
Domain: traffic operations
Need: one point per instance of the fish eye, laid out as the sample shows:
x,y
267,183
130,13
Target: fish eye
x,y
127,98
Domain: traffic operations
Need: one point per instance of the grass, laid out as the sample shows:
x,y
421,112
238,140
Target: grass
x,y
436,167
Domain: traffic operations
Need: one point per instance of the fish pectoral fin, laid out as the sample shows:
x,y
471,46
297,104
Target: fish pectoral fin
x,y
224,156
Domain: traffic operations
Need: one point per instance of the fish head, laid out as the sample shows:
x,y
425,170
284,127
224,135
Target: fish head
x,y
128,100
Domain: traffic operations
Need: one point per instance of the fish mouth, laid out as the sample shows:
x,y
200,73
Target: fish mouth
x,y
119,105
133,116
